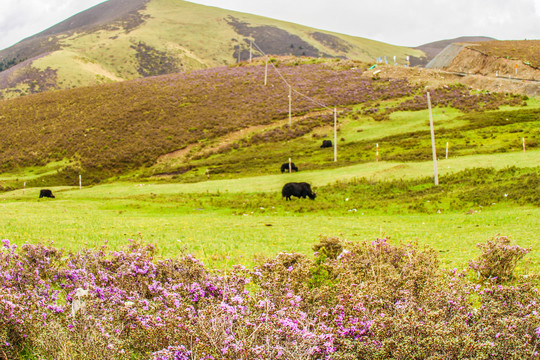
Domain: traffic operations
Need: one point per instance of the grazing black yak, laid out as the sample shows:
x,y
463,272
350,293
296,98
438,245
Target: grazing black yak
x,y
326,144
300,190
46,193
285,167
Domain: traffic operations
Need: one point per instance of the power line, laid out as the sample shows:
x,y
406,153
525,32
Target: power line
x,y
252,43
287,83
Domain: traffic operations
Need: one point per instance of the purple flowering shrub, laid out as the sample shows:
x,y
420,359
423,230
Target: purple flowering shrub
x,y
374,300
498,259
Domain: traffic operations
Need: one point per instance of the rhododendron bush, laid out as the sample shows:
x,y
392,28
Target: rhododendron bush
x,y
373,300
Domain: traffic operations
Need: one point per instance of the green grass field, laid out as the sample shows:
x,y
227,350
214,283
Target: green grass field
x,y
226,222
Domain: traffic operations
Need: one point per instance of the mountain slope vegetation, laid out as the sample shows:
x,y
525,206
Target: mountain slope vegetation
x,y
124,40
225,120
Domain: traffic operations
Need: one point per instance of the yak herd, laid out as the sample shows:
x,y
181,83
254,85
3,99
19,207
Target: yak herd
x,y
297,189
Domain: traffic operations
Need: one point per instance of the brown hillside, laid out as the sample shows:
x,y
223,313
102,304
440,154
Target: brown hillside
x,y
526,51
470,60
110,129
494,65
432,49
437,77
124,125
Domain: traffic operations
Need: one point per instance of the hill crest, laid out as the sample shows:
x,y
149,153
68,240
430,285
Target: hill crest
x,y
134,39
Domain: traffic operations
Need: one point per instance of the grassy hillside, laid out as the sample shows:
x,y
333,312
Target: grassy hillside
x,y
111,42
225,121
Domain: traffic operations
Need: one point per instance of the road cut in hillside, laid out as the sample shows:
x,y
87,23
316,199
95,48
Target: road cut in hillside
x,y
484,71
434,78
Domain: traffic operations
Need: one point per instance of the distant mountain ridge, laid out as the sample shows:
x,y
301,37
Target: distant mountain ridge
x,y
128,39
109,12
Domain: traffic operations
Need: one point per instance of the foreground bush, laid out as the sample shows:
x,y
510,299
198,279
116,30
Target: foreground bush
x,y
498,259
352,301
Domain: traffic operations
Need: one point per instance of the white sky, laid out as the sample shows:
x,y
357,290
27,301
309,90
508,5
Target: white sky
x,y
399,22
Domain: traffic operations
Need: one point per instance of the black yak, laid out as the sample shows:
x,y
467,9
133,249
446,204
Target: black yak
x,y
285,167
300,190
46,193
326,144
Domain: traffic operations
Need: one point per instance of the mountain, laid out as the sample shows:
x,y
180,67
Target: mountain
x,y
432,49
128,39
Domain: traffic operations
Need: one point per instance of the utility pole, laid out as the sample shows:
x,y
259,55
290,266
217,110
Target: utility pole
x,y
266,72
436,176
290,105
335,134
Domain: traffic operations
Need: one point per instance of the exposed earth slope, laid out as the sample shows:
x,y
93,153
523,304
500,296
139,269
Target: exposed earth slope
x,y
508,64
434,48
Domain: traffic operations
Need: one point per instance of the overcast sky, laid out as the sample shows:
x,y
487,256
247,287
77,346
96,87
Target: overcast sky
x,y
399,22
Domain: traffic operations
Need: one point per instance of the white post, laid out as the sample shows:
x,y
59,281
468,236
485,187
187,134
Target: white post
x,y
266,72
290,105
523,144
290,166
80,182
377,152
447,150
24,187
335,134
436,176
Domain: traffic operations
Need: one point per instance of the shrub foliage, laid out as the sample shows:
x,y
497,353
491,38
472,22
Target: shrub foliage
x,y
374,300
498,259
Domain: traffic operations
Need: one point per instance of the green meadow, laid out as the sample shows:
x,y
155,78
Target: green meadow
x,y
226,222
